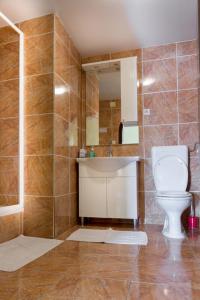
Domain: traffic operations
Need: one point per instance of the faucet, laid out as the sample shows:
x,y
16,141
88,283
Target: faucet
x,y
109,152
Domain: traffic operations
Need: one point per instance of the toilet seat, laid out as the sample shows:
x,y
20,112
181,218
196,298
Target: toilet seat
x,y
173,194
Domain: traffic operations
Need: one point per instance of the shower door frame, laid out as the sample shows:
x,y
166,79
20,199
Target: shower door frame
x,y
12,209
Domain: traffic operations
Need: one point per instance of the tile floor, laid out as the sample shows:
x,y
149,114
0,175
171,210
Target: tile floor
x,y
165,269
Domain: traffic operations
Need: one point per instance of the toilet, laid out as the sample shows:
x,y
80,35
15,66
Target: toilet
x,y
170,172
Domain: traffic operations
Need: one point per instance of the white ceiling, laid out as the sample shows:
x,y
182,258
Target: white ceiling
x,y
100,26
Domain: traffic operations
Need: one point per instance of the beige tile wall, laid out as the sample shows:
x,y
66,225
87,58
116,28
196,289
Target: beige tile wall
x,y
172,98
53,112
67,124
38,211
9,135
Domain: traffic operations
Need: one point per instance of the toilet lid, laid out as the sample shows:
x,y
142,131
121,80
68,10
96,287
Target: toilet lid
x,y
170,174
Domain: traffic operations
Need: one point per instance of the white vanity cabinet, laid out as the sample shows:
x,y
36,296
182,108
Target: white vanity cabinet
x,y
108,187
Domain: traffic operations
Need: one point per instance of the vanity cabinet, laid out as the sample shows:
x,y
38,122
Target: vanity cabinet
x,y
110,192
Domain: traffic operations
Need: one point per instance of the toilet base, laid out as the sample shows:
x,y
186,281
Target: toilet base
x,y
180,235
173,208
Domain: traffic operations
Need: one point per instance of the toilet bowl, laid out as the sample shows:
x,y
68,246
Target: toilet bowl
x,y
170,172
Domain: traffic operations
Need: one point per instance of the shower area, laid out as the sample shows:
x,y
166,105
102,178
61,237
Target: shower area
x,y
40,127
11,118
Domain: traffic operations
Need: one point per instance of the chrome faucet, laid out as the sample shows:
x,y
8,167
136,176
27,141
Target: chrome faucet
x,y
109,152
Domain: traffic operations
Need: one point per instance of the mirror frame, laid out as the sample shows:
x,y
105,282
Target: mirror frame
x,y
128,72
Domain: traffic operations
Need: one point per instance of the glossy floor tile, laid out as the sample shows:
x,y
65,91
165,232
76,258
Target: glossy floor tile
x,y
164,269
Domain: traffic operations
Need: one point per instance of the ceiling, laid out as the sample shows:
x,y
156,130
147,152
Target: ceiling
x,y
100,26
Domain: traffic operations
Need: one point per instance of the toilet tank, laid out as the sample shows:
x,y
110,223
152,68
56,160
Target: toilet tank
x,y
170,168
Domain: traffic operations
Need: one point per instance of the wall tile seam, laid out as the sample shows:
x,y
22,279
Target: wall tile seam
x,y
9,156
169,91
175,57
50,114
57,115
63,195
169,124
28,37
6,43
61,156
9,195
37,75
143,48
8,118
57,36
38,196
8,80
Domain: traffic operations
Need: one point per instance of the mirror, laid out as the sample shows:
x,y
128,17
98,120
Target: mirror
x,y
11,114
111,102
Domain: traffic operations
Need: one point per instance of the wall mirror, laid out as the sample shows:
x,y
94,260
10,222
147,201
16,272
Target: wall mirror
x,y
111,102
11,117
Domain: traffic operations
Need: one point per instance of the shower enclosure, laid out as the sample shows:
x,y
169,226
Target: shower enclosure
x,y
11,117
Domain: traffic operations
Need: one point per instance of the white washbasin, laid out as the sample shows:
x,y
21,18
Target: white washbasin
x,y
108,164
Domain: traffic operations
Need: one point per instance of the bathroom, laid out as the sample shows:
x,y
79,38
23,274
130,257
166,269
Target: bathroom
x,y
46,47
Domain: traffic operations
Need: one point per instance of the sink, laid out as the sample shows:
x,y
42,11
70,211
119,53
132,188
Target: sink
x,y
108,164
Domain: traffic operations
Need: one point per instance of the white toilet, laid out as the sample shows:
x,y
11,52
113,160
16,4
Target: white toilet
x,y
170,172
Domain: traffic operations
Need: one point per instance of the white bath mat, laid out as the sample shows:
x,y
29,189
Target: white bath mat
x,y
109,236
22,250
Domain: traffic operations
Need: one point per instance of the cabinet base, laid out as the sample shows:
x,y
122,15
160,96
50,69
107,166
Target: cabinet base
x,y
135,223
82,221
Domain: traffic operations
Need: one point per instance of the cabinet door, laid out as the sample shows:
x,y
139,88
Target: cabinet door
x,y
92,197
122,197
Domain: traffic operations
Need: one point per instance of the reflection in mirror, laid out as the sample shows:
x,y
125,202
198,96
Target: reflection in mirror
x,y
10,110
104,123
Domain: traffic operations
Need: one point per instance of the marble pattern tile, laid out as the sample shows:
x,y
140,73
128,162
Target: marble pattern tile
x,y
9,175
188,106
8,199
73,176
159,52
61,136
61,98
159,75
194,180
9,64
8,35
163,108
62,214
39,175
9,137
39,134
188,72
164,269
73,209
61,175
39,54
187,48
9,98
189,134
39,94
38,216
37,26
62,60
9,228
159,136
148,175
61,32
